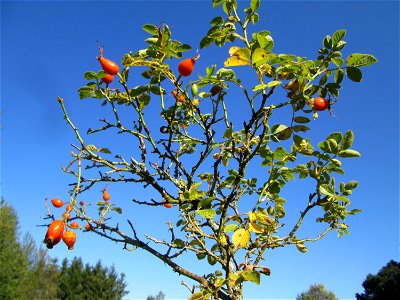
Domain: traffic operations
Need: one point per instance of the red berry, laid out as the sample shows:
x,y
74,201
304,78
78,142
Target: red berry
x,y
54,233
320,104
69,238
108,78
57,202
108,66
185,67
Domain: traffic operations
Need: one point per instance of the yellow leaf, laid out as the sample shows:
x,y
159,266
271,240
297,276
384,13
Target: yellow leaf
x,y
252,217
264,219
254,227
239,57
241,238
233,50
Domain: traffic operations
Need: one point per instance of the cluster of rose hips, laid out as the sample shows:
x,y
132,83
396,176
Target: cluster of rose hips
x,y
56,230
110,67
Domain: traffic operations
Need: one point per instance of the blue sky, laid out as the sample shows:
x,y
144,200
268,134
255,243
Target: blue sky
x,y
47,46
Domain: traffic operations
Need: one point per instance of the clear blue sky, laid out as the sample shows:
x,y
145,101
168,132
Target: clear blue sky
x,y
47,46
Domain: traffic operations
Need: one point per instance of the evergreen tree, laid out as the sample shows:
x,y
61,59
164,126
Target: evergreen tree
x,y
43,271
79,281
27,272
317,292
384,285
159,296
13,261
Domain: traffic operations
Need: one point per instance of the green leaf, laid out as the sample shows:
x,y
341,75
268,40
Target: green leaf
x,y
201,256
360,60
255,18
302,145
323,80
225,160
254,5
265,40
281,132
143,100
104,150
354,74
351,185
301,119
90,75
199,296
91,148
205,202
273,83
252,276
301,248
204,95
338,36
217,2
217,21
337,136
210,70
225,73
327,42
150,28
117,209
230,228
205,42
206,213
300,128
87,88
98,94
339,46
329,146
338,61
339,74
228,133
179,243
326,190
259,87
261,56
280,153
348,140
349,153
211,260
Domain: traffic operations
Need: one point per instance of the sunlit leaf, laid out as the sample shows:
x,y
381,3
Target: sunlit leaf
x,y
230,228
254,5
261,56
206,213
326,190
301,248
91,148
252,276
360,60
150,28
348,140
338,36
254,227
241,238
239,57
349,153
